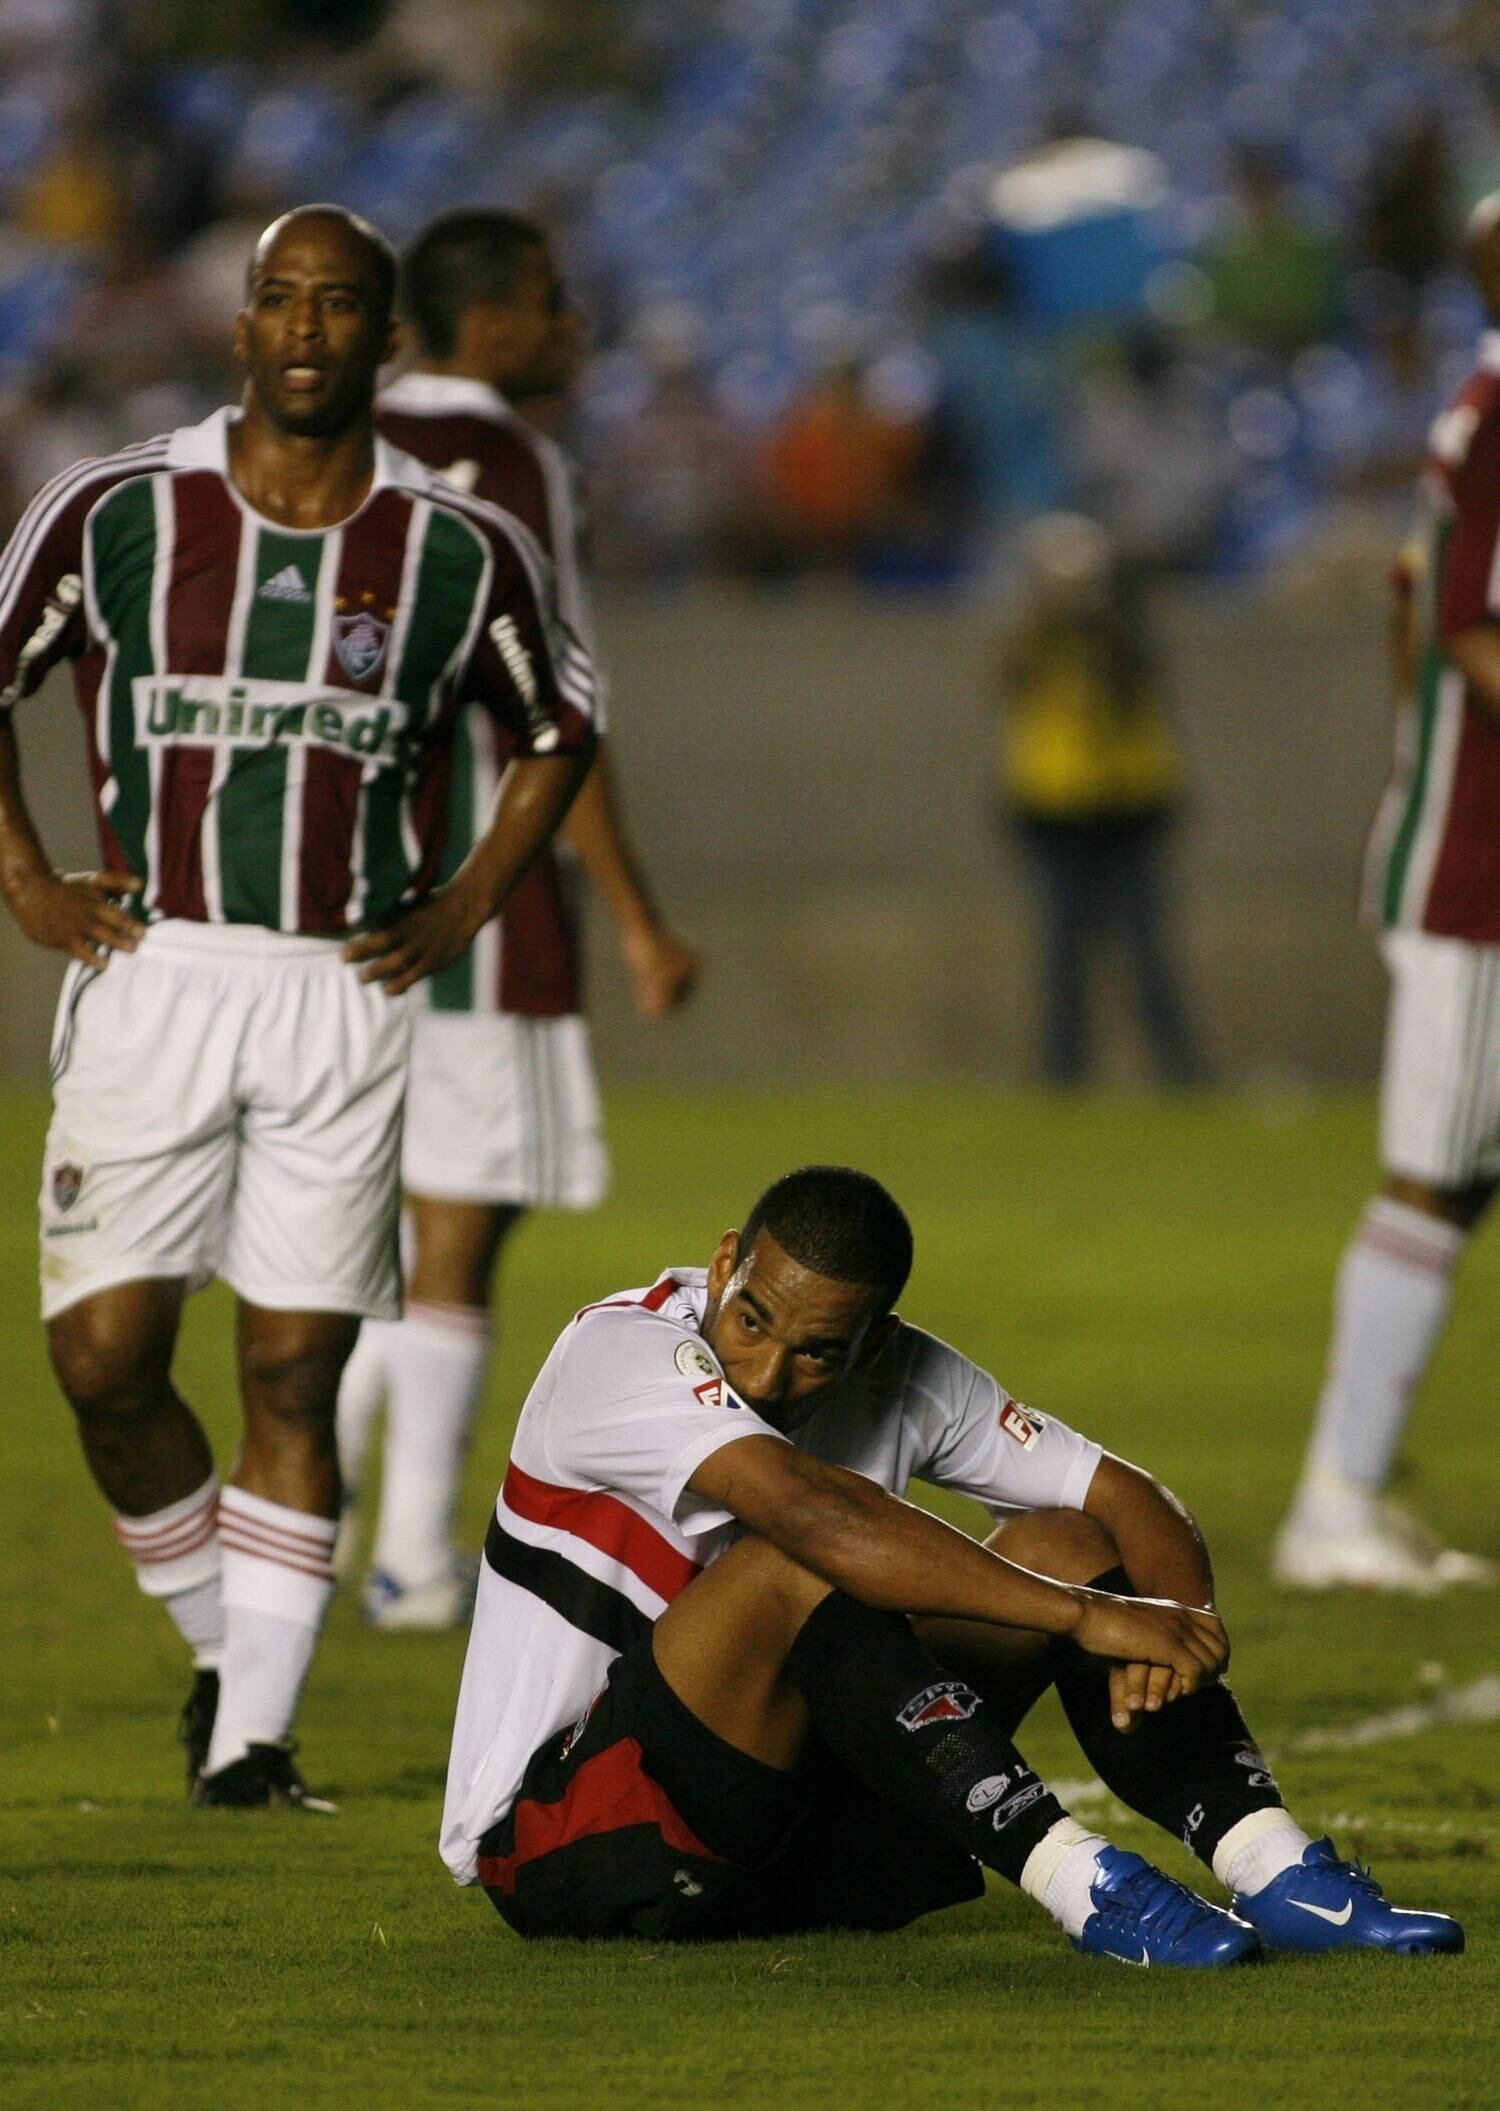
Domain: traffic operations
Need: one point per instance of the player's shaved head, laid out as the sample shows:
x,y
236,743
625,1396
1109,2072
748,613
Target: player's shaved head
x,y
363,235
839,1223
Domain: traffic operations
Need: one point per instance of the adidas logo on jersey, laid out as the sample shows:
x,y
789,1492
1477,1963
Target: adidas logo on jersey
x,y
286,585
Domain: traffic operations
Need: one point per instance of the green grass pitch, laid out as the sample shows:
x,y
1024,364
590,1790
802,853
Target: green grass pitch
x,y
1158,1274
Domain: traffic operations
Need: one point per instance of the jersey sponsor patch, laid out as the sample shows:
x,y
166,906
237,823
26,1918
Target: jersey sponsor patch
x,y
209,710
1022,1424
950,1701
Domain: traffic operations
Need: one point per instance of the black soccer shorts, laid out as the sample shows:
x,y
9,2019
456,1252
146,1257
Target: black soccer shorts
x,y
641,1821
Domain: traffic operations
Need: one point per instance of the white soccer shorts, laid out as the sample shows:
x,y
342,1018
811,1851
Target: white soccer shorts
x,y
1440,1085
226,1101
503,1109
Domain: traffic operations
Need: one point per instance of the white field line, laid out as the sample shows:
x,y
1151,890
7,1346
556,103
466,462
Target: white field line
x,y
1475,1703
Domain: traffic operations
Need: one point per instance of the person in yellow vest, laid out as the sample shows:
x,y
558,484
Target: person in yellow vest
x,y
1091,780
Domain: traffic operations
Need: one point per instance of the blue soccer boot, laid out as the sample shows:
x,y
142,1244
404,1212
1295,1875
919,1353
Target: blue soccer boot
x,y
1321,1903
1142,1917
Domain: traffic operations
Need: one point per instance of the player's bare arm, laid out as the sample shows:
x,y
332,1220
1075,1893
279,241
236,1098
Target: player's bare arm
x,y
77,913
887,1553
1475,652
1163,1552
663,971
534,797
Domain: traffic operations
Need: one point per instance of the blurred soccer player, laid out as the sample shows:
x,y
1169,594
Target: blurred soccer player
x,y
274,619
502,1111
723,1682
1433,886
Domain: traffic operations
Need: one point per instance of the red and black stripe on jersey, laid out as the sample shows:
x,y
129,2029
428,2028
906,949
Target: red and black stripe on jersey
x,y
630,1544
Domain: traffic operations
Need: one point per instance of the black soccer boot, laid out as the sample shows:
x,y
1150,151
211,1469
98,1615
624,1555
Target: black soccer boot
x,y
263,1778
195,1725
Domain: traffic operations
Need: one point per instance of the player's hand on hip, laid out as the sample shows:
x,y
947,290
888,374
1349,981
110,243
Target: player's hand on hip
x,y
663,971
420,943
1162,1650
79,913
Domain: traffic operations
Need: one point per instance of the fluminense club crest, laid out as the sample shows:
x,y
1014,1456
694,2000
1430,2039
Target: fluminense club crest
x,y
360,643
67,1181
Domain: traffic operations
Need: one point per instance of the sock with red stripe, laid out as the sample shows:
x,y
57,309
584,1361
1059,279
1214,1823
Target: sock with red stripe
x,y
435,1364
917,1736
1394,1289
176,1555
278,1579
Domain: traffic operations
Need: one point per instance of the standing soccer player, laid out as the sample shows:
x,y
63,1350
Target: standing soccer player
x,y
274,619
1433,883
502,1110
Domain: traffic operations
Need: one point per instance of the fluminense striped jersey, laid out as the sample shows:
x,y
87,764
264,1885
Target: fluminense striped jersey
x,y
1434,859
270,712
597,1529
527,959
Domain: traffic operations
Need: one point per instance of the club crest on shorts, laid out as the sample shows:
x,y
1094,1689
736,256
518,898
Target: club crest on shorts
x,y
67,1183
950,1701
1019,1422
360,641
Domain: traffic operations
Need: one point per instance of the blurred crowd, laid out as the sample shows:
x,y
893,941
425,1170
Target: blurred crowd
x,y
874,284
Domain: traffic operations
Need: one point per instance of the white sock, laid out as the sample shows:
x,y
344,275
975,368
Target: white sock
x,y
1254,1852
1059,1871
176,1556
278,1579
362,1391
436,1361
1394,1289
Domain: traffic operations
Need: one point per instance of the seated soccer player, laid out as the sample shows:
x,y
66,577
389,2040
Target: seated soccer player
x,y
723,1681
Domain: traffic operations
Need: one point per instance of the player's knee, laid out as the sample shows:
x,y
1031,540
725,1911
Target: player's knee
x,y
457,1247
764,1572
1066,1544
107,1365
1462,1205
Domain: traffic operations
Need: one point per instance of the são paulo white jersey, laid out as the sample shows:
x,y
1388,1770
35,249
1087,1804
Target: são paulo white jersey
x,y
596,1530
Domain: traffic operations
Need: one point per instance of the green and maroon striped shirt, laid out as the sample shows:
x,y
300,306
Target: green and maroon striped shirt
x,y
1434,857
270,712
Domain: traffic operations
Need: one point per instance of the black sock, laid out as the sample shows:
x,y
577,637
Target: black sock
x,y
1193,1768
916,1736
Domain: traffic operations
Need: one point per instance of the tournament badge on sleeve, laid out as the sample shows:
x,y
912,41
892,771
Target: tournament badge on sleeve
x,y
703,1374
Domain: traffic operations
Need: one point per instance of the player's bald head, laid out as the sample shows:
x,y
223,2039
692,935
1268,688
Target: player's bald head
x,y
356,237
1482,249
